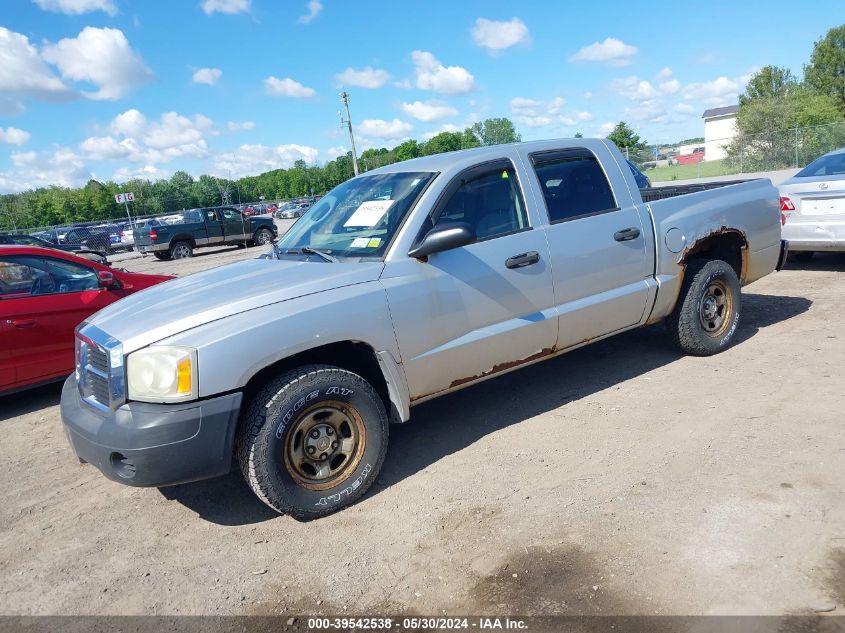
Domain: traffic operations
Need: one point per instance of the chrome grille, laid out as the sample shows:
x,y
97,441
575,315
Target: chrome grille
x,y
99,368
99,388
98,359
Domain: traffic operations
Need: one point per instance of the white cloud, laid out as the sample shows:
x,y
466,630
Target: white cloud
x,y
611,51
250,160
208,76
588,95
31,170
23,72
314,8
384,130
533,121
446,127
287,87
129,123
684,108
367,77
240,126
147,172
665,73
605,128
334,152
134,138
534,113
14,136
633,88
720,91
226,6
496,36
175,130
648,111
77,7
521,104
670,87
432,75
102,57
429,110
109,148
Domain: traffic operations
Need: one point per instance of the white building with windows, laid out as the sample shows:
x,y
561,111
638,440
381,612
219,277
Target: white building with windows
x,y
719,130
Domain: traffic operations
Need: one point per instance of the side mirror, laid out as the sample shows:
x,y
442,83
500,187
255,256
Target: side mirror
x,y
443,238
106,279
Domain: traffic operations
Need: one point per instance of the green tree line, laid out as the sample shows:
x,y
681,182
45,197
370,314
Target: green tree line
x,y
784,121
95,201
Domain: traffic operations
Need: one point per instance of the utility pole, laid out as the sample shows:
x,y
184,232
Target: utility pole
x,y
344,98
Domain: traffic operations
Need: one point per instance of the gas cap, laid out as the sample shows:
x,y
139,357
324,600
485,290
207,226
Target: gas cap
x,y
675,240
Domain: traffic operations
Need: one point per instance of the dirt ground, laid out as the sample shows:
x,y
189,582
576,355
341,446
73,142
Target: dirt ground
x,y
622,478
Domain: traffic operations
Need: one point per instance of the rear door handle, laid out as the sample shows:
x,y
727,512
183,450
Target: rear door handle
x,y
21,323
523,259
625,235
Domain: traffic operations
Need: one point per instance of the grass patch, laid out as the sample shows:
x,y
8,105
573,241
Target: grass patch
x,y
704,169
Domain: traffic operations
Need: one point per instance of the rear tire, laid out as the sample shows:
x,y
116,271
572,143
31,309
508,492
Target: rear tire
x,y
706,316
162,255
181,250
286,445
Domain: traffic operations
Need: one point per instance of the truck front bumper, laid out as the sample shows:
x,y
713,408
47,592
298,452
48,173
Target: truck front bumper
x,y
142,444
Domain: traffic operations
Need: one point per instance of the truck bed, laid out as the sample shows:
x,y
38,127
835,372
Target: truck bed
x,y
671,191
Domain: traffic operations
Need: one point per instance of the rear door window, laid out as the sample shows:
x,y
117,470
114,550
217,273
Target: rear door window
x,y
573,184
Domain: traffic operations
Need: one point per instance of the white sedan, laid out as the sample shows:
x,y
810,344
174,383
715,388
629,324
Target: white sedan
x,y
813,206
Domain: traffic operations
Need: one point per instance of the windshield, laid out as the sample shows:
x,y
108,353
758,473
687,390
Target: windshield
x,y
358,218
831,165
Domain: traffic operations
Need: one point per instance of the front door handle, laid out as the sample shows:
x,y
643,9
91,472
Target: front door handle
x,y
625,235
21,323
523,259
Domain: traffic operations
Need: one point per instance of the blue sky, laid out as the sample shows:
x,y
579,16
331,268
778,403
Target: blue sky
x,y
119,88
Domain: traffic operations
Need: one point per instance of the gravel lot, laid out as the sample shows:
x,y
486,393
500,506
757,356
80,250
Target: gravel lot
x,y
621,478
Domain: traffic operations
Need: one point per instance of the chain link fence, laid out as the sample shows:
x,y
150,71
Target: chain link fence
x,y
771,150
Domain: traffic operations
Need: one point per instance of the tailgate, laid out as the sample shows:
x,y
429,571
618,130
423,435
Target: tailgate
x,y
141,235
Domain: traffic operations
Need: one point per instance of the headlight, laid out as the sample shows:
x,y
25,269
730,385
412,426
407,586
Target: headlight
x,y
162,374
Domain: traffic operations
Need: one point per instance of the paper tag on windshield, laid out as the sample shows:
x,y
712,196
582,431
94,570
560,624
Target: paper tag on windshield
x,y
360,242
369,213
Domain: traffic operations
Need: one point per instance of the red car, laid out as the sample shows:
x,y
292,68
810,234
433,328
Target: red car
x,y
44,295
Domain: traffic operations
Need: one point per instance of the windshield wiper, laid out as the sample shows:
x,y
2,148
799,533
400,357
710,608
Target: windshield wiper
x,y
307,250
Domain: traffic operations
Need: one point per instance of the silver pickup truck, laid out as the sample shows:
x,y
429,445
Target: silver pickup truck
x,y
401,285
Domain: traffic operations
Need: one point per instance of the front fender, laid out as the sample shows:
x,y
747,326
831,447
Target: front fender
x,y
233,349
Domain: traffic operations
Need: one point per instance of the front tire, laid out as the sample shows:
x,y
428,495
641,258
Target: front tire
x,y
706,316
312,441
262,237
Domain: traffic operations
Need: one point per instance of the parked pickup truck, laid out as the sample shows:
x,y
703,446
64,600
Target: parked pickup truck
x,y
401,285
202,227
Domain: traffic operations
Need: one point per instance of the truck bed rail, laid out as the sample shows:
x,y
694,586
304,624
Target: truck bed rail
x,y
651,194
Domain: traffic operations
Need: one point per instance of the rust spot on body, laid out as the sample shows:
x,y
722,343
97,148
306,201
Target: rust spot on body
x,y
700,244
500,367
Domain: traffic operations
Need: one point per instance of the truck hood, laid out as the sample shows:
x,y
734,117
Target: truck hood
x,y
181,304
